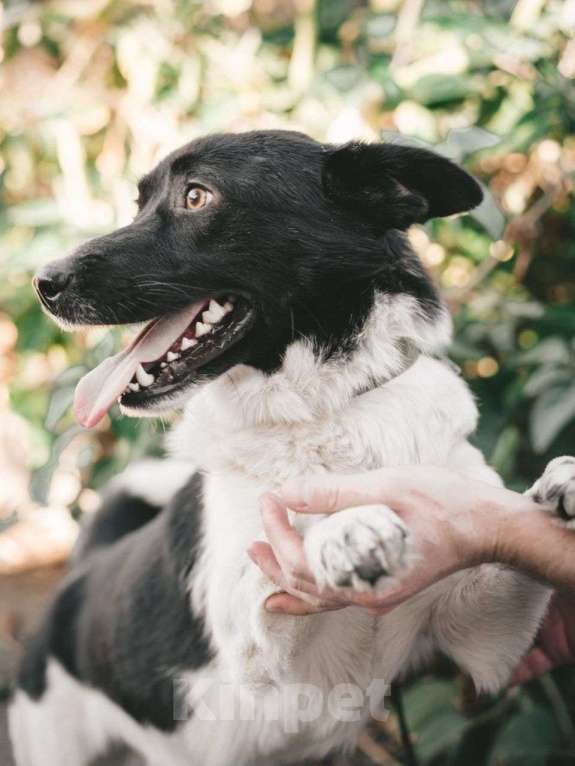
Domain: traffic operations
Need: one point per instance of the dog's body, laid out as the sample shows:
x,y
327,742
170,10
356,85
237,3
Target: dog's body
x,y
159,638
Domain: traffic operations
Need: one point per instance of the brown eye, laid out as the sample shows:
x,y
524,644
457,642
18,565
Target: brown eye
x,y
197,197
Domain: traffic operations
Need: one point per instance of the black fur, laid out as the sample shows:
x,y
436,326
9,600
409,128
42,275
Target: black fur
x,y
119,515
122,622
394,186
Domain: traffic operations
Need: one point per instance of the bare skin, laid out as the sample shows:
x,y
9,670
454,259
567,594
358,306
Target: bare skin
x,y
455,523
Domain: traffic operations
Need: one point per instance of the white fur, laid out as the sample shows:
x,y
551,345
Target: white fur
x,y
154,481
249,432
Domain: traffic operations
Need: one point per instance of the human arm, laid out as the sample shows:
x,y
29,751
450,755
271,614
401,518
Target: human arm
x,y
455,523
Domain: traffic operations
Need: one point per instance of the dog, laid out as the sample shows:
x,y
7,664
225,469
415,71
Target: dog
x,y
289,318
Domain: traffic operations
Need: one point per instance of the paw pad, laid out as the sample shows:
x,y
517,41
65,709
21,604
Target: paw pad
x,y
360,548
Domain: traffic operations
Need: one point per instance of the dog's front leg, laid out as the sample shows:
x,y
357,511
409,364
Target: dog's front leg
x,y
489,618
253,644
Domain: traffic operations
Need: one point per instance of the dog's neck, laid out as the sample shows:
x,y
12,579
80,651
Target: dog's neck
x,y
262,424
308,387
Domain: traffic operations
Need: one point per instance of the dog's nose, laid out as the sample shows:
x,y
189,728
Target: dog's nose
x,y
51,281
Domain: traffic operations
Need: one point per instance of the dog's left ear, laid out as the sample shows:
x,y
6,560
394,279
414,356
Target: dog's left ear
x,y
394,186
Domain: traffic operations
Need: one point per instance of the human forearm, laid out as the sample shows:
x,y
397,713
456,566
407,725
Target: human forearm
x,y
535,542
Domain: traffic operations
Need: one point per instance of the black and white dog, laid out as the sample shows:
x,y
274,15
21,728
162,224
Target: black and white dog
x,y
290,316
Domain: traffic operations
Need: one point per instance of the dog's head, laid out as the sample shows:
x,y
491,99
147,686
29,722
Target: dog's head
x,y
242,244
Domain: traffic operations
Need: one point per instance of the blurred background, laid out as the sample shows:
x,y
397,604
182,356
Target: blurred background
x,y
94,92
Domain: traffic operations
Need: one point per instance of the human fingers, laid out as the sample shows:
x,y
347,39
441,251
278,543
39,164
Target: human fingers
x,y
286,543
293,603
285,603
330,492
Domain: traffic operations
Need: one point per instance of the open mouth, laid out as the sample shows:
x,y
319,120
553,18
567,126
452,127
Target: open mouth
x,y
164,358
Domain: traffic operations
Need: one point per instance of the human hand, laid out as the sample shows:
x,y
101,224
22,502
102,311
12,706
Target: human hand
x,y
555,643
453,522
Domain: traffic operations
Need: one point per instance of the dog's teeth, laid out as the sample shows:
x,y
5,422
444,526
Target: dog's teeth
x,y
215,313
171,357
228,307
163,365
202,329
134,386
144,378
188,343
215,306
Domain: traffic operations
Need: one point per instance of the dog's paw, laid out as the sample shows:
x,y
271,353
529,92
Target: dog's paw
x,y
359,548
556,488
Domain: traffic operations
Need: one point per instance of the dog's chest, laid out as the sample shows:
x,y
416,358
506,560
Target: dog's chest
x,y
398,424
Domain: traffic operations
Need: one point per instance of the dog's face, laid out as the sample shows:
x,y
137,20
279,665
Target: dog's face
x,y
243,243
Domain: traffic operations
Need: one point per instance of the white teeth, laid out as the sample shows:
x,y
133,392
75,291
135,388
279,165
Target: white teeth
x,y
215,307
163,365
215,312
144,378
228,307
202,329
133,386
171,357
188,343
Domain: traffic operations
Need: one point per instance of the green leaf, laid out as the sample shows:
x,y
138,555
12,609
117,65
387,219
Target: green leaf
x,y
549,351
489,215
425,697
436,89
461,142
553,410
526,739
432,717
544,377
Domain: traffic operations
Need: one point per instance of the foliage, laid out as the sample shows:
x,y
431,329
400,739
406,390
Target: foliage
x,y
95,92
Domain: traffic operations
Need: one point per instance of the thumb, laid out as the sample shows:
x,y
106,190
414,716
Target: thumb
x,y
331,493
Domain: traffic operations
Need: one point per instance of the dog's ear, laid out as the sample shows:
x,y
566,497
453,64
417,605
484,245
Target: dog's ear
x,y
394,186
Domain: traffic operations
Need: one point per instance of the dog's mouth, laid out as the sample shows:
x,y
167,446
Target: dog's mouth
x,y
164,358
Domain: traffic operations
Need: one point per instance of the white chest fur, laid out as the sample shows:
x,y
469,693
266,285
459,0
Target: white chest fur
x,y
418,417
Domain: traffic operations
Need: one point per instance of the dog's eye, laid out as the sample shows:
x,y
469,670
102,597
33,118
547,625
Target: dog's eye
x,y
197,197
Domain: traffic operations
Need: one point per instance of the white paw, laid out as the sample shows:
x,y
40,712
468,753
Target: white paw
x,y
359,548
556,488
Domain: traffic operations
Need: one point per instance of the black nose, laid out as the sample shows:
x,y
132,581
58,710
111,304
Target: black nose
x,y
51,282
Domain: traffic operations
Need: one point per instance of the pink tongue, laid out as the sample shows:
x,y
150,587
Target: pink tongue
x,y
99,389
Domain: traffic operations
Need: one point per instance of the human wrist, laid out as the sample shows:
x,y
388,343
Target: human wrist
x,y
513,523
495,514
